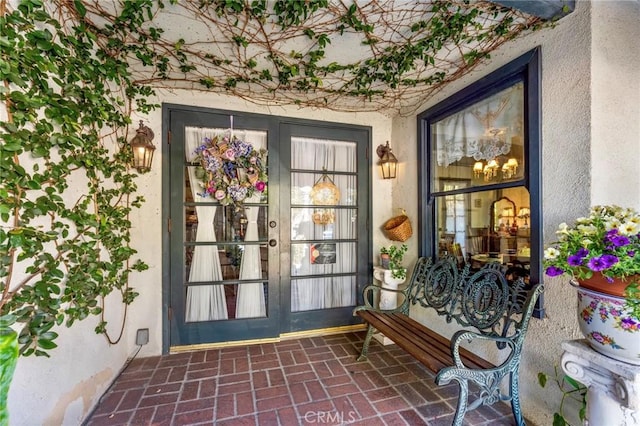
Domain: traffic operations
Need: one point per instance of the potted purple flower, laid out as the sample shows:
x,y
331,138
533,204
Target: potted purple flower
x,y
601,255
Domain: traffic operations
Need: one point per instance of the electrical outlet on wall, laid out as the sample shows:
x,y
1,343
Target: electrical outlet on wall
x,y
142,336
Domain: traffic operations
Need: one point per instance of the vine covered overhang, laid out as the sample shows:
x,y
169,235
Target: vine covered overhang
x,y
74,71
375,55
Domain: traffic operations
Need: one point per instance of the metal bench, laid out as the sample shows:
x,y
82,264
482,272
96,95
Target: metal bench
x,y
498,308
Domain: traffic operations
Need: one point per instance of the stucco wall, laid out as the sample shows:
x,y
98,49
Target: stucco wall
x,y
615,109
590,139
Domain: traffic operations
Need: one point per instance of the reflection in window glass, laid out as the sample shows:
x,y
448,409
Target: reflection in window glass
x,y
485,226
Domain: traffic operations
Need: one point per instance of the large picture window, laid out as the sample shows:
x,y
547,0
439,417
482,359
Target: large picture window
x,y
480,172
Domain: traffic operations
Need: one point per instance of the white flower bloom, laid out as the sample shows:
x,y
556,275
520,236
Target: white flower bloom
x,y
629,228
551,253
563,228
612,223
587,229
583,220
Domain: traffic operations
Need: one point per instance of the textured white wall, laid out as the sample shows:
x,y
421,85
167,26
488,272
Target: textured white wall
x,y
590,139
615,110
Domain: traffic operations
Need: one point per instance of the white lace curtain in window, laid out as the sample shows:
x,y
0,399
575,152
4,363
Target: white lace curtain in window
x,y
330,291
204,302
482,131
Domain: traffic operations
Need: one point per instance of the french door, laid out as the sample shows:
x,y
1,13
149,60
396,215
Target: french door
x,y
294,257
324,199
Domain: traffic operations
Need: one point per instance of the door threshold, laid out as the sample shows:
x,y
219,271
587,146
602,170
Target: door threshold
x,y
282,337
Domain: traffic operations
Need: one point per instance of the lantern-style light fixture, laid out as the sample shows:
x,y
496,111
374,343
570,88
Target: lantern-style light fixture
x,y
142,149
388,161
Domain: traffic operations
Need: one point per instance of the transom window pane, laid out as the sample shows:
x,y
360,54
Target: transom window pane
x,y
483,143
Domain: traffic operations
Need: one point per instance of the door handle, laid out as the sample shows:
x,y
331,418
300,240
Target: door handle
x,y
273,243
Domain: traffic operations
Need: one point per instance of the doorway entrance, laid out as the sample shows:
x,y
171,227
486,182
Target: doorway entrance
x,y
293,257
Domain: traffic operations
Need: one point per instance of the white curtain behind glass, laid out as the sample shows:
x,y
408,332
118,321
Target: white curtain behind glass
x,y
204,302
329,292
459,135
250,302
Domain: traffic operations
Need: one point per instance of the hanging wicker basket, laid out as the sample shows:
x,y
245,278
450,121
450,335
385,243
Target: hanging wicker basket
x,y
398,228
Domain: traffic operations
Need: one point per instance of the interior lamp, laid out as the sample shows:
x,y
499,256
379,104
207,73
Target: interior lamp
x,y
388,161
142,149
477,169
510,168
524,213
490,170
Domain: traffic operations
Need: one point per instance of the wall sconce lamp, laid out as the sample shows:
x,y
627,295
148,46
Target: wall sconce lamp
x,y
142,149
388,161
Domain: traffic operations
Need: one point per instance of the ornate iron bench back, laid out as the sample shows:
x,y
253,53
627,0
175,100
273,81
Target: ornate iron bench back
x,y
483,299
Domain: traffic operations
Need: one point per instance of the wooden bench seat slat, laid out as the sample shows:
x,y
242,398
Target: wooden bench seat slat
x,y
484,292
428,335
429,347
433,356
407,342
443,344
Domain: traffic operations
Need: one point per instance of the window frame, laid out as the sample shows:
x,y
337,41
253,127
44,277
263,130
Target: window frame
x,y
527,69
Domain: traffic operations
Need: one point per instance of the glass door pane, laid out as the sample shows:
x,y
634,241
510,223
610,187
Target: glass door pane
x,y
225,246
324,223
277,263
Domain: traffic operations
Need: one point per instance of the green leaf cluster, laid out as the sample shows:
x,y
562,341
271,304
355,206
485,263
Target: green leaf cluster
x,y
571,390
66,190
396,256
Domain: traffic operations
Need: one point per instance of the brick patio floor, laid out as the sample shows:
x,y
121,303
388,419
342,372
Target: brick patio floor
x,y
308,381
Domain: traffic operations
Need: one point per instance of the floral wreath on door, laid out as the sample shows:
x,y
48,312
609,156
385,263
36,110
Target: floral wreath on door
x,y
232,170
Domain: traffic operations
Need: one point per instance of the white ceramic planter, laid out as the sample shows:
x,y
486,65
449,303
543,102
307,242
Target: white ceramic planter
x,y
388,299
608,328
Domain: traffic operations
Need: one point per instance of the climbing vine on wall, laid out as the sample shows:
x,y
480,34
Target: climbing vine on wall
x,y
66,191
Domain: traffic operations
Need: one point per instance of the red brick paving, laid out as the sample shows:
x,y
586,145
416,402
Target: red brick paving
x,y
310,381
